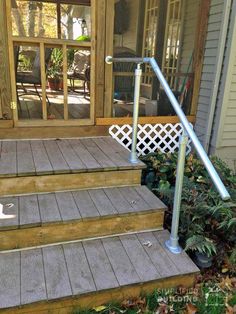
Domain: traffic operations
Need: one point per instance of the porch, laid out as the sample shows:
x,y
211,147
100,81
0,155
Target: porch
x,y
109,90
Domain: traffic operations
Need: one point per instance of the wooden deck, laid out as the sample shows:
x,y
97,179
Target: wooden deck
x,y
39,276
25,158
64,216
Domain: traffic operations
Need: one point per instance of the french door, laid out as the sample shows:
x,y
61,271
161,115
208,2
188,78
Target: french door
x,y
52,61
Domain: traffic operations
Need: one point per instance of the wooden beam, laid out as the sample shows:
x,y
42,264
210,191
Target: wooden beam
x,y
65,87
12,63
43,80
93,62
200,40
100,56
142,120
108,99
8,132
5,91
80,229
72,181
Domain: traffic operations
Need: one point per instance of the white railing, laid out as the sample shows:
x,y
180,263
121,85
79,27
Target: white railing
x,y
173,243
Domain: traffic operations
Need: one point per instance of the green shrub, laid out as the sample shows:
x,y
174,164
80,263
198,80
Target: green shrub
x,y
207,224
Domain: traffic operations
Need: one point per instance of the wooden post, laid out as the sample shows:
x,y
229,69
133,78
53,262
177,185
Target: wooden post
x,y
200,39
108,99
100,56
5,91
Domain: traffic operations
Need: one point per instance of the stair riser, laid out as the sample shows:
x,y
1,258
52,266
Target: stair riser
x,y
67,306
65,182
54,233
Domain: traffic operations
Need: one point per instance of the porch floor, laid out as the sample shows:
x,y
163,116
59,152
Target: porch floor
x,y
84,268
41,157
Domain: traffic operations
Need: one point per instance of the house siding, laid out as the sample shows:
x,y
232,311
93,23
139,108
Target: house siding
x,y
209,66
223,141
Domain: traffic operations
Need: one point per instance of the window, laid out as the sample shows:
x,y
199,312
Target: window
x,y
172,42
51,19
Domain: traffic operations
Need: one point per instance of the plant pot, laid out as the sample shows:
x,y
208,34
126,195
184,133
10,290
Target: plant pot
x,y
202,260
55,83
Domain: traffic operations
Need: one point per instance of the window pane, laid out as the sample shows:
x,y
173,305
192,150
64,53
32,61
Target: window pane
x,y
28,82
75,22
78,80
55,84
34,19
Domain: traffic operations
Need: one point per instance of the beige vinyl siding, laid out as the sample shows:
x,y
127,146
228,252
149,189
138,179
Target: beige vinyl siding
x,y
189,23
227,126
209,66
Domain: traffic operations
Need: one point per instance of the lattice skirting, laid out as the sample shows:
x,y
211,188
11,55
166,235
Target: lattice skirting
x,y
151,138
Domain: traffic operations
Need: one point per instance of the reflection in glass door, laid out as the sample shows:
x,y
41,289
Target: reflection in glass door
x,y
50,45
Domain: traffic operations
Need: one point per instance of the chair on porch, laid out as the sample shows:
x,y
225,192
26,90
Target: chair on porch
x,y
80,70
33,77
124,85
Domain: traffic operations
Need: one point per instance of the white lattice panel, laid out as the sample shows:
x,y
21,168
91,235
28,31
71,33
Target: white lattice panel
x,y
162,137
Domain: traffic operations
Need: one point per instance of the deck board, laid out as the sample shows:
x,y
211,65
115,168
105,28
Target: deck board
x,y
10,280
41,160
88,160
8,161
85,204
121,264
112,153
25,162
118,201
102,159
140,259
67,206
32,277
56,158
86,267
56,274
29,211
102,202
70,156
100,266
48,207
39,209
42,157
158,255
81,277
134,199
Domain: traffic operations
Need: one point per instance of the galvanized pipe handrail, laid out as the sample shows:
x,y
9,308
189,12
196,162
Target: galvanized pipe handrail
x,y
183,119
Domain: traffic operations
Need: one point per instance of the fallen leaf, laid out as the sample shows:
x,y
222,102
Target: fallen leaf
x,y
229,309
162,309
224,270
191,309
99,308
226,283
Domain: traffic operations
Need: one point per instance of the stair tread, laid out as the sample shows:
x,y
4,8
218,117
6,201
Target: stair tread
x,y
43,157
80,268
61,207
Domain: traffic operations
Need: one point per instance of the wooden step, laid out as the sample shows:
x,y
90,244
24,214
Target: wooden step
x,y
47,165
64,216
58,279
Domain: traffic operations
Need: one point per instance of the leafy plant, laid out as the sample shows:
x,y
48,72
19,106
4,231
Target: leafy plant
x,y
207,224
55,65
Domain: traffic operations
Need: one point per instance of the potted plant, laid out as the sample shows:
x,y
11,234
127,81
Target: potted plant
x,y
54,71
